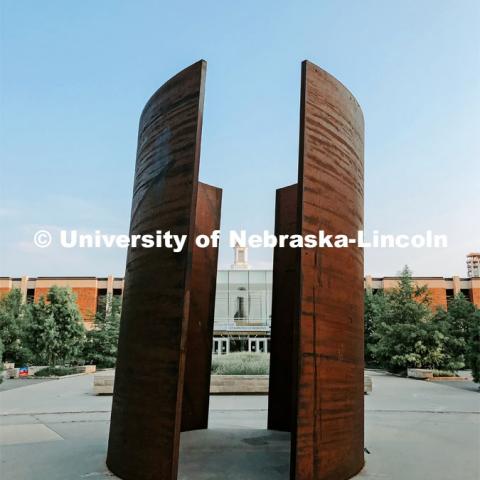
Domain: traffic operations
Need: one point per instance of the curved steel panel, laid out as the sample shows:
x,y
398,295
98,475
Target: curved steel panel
x,y
328,437
198,365
281,392
147,401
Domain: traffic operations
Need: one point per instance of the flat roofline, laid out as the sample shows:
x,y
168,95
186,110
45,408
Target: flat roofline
x,y
17,279
245,270
240,332
64,278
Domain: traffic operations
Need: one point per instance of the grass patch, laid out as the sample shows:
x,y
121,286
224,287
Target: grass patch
x,y
55,371
242,363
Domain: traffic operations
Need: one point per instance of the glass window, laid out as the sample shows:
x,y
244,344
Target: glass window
x,y
222,276
221,308
238,277
256,276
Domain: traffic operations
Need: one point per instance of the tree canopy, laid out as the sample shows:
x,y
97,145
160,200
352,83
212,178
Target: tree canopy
x,y
402,330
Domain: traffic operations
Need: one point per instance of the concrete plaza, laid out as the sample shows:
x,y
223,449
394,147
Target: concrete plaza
x,y
414,430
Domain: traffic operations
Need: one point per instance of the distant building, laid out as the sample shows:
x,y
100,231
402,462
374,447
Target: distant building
x,y
240,259
243,299
440,289
473,265
91,292
243,305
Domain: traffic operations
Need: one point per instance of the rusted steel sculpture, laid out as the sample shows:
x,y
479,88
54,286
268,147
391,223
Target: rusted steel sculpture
x,y
166,328
322,364
164,356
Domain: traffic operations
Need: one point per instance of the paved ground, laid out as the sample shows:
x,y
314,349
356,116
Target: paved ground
x,y
9,384
415,430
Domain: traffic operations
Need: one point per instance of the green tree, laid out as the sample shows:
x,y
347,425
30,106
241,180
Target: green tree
x,y
454,342
13,325
56,330
1,363
457,323
42,333
401,330
102,341
375,306
404,334
473,345
460,311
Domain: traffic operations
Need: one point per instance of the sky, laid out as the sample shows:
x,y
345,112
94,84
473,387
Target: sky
x,y
76,75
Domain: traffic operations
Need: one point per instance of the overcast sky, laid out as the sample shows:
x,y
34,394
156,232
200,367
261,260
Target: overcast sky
x,y
76,75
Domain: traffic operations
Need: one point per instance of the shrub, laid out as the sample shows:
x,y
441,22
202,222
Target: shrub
x,y
242,363
55,371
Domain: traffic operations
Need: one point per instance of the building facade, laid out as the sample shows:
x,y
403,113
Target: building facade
x,y
242,303
473,264
91,292
243,299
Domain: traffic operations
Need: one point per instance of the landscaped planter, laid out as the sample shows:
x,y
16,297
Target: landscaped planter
x,y
12,372
367,384
447,379
239,384
34,369
219,384
87,369
420,373
103,382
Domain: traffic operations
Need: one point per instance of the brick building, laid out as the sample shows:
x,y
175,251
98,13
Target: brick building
x,y
440,289
245,300
90,291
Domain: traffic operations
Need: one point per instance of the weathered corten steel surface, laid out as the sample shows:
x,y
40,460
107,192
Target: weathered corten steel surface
x,y
328,439
281,390
147,401
196,391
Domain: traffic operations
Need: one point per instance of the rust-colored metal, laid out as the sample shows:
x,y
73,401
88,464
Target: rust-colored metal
x,y
149,381
196,390
284,306
328,436
317,311
167,317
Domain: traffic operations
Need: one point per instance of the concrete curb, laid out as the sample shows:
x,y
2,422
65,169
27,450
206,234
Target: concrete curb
x,y
55,377
219,384
447,379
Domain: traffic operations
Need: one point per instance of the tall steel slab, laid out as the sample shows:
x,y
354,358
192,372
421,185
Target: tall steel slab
x,y
196,391
317,310
328,435
149,382
281,391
